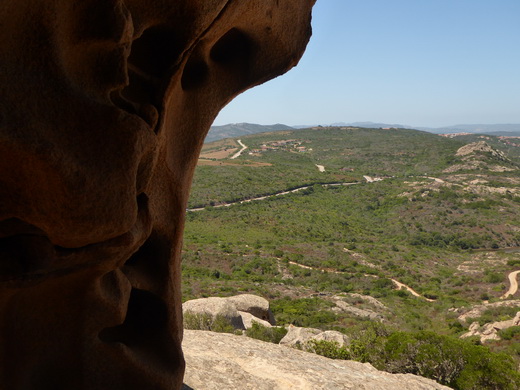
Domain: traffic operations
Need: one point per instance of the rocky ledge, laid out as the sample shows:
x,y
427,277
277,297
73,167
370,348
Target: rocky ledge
x,y
216,361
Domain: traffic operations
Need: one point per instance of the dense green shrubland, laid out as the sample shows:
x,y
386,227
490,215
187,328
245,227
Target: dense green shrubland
x,y
440,237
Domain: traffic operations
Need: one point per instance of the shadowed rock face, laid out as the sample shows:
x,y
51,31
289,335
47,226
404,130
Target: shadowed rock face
x,y
104,105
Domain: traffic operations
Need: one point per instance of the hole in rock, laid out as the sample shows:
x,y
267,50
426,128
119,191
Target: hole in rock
x,y
146,320
149,266
194,75
23,249
233,46
152,56
155,52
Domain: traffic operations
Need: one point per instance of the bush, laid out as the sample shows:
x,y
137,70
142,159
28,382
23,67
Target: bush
x,y
306,312
330,349
501,313
450,361
264,333
367,344
493,277
509,333
206,321
424,354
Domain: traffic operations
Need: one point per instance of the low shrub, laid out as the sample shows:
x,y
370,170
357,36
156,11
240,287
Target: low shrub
x,y
450,361
330,349
264,333
509,333
204,321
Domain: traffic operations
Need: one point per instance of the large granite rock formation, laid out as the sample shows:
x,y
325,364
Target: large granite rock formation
x,y
240,310
217,361
214,307
104,105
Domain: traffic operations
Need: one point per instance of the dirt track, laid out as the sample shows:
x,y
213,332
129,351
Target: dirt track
x,y
397,283
513,288
400,286
237,154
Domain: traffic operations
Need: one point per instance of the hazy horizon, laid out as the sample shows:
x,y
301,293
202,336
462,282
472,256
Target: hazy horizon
x,y
341,123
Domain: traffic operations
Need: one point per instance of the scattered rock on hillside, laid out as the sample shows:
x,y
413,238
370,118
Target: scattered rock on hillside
x,y
216,361
481,147
480,155
345,307
362,313
490,331
373,301
478,310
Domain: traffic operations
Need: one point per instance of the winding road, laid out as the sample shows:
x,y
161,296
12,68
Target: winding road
x,y
400,286
273,195
513,288
397,283
237,154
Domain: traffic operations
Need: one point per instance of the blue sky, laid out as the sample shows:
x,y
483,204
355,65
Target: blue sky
x,y
415,62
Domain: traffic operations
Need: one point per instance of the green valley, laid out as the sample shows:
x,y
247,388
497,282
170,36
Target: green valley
x,y
404,228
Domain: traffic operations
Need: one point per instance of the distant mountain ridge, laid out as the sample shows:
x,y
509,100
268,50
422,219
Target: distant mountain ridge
x,y
234,130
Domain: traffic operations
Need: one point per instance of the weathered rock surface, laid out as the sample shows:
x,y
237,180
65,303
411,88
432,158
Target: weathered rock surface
x,y
104,106
216,361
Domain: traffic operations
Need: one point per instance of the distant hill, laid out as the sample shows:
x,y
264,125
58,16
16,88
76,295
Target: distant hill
x,y
367,125
508,129
234,130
